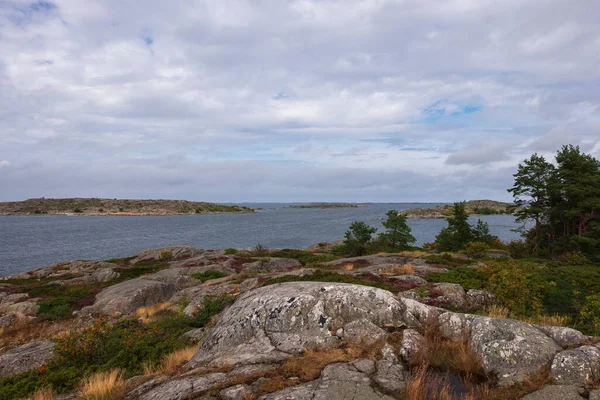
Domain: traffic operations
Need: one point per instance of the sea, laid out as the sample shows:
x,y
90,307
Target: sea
x,y
29,242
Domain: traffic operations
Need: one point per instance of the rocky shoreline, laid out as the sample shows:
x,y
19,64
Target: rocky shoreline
x,y
331,328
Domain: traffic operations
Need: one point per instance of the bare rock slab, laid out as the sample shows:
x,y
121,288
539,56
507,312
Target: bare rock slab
x,y
125,297
23,358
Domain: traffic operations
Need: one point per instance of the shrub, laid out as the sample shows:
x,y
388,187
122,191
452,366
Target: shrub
x,y
398,234
357,238
77,210
590,312
165,255
476,249
259,250
208,275
305,257
574,258
469,278
230,251
518,249
54,309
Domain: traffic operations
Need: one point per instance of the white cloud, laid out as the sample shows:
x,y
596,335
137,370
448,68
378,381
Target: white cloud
x,y
404,89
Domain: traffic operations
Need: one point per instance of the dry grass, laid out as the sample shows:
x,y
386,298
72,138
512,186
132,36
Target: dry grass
x,y
406,269
309,365
108,385
145,314
444,354
170,363
348,267
549,320
413,253
516,392
25,331
495,311
42,394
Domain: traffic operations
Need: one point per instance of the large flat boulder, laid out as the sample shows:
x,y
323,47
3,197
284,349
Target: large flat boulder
x,y
125,297
23,358
271,323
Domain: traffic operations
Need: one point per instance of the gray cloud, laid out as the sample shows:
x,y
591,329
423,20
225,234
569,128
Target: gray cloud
x,y
306,99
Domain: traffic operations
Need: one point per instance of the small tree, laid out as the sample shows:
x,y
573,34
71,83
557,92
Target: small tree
x,y
481,233
358,237
398,234
458,232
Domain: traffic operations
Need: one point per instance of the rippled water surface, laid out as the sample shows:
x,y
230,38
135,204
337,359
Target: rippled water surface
x,y
28,242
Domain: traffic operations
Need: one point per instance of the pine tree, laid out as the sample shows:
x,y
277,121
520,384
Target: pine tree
x,y
398,234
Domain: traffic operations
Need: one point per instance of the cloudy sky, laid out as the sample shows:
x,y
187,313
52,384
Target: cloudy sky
x,y
257,100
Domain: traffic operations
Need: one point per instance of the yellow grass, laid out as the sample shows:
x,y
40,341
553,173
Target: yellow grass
x,y
495,311
348,267
550,320
145,314
108,385
170,363
42,394
413,253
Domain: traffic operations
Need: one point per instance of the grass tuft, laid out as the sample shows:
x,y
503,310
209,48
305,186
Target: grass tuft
x,y
108,385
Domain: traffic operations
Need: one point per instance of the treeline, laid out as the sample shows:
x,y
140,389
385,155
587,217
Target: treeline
x,y
563,200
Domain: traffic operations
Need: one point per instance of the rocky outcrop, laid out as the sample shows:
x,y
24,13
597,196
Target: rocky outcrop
x,y
272,323
23,358
342,381
555,392
510,349
168,253
271,264
578,367
125,297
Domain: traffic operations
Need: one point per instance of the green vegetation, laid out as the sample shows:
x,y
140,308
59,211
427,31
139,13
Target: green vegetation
x,y
128,345
358,238
459,232
306,258
230,251
563,200
259,250
57,308
326,205
398,234
209,275
328,276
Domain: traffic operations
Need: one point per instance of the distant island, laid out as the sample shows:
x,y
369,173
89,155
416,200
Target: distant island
x,y
98,206
328,205
474,207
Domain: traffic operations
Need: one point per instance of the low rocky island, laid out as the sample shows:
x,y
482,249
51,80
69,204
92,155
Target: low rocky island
x,y
328,205
180,322
474,207
98,206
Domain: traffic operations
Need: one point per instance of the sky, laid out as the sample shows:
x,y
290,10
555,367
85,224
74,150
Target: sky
x,y
300,100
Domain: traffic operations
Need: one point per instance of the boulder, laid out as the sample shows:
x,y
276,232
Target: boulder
x,y
555,392
125,297
594,395
511,349
577,367
274,322
28,356
272,264
478,299
565,337
28,308
195,335
340,381
452,294
412,341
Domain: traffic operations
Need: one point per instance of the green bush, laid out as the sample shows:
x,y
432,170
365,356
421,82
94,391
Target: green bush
x,y
165,255
230,251
259,250
574,258
328,276
77,210
208,275
305,257
53,309
358,238
469,278
476,249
